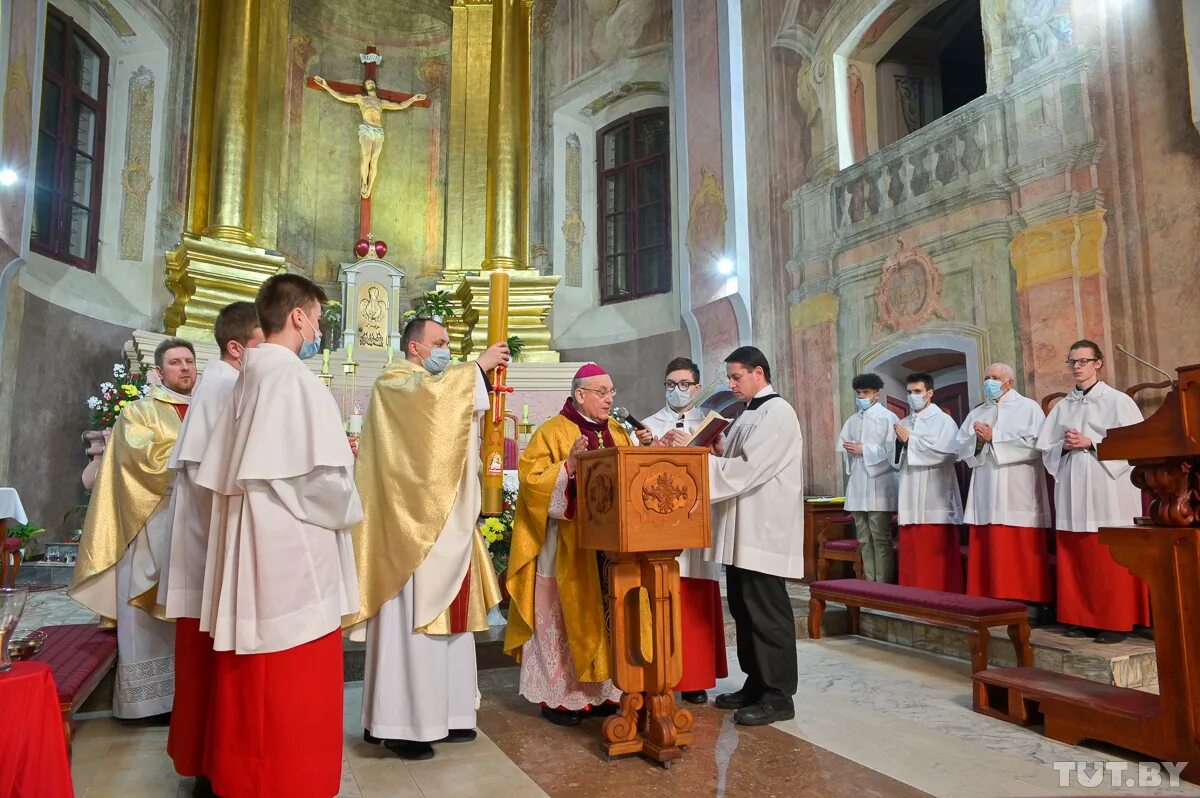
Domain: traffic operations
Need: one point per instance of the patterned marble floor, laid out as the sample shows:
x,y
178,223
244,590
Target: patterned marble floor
x,y
873,719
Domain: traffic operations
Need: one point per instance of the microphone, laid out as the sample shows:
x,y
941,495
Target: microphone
x,y
626,416
1125,351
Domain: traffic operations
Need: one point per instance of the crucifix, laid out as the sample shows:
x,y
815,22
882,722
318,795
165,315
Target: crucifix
x,y
372,102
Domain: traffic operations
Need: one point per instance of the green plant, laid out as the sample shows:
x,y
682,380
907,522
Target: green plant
x,y
26,533
331,313
433,305
515,346
498,531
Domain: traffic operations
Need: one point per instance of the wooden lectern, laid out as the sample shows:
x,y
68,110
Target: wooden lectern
x,y
1165,552
642,506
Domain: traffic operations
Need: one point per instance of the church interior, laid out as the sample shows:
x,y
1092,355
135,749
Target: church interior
x,y
886,187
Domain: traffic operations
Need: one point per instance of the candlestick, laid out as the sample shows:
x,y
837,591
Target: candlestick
x,y
350,351
389,354
325,362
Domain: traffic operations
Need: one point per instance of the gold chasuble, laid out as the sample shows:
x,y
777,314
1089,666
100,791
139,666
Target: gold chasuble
x,y
413,454
577,570
131,485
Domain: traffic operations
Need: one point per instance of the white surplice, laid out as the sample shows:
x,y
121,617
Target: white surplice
x,y
693,563
757,490
1088,492
181,588
419,686
1008,481
928,482
280,563
872,483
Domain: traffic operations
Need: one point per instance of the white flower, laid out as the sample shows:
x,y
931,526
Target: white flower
x,y
105,387
119,371
93,403
145,389
511,481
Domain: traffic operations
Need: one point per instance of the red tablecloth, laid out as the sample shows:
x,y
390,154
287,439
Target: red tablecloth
x,y
33,750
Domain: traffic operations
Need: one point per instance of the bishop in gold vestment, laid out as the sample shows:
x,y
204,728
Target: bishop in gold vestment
x,y
126,535
556,626
425,577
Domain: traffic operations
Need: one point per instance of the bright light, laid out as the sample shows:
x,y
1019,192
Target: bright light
x,y
725,266
7,177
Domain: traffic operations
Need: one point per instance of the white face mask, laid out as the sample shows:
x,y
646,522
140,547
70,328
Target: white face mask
x,y
917,401
679,398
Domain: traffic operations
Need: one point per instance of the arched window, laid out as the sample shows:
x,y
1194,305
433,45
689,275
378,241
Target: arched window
x,y
634,189
70,146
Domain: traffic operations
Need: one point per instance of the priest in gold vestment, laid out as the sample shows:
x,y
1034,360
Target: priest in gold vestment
x,y
425,576
556,626
126,534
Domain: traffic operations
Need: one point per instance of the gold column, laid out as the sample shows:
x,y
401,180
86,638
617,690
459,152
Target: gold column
x,y
466,157
223,255
506,236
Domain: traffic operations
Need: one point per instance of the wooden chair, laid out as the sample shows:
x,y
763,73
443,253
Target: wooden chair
x,y
10,561
833,544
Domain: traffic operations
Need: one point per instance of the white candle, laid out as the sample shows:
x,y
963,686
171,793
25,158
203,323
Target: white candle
x,y
355,424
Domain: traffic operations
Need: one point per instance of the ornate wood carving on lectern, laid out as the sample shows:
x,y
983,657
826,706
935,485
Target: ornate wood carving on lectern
x,y
642,506
1164,550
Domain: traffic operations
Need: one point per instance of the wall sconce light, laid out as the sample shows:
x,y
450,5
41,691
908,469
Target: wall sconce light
x,y
7,177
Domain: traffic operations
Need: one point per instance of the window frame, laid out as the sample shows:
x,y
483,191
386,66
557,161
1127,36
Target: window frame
x,y
630,169
71,96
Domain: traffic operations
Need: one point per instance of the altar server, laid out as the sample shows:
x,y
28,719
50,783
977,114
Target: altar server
x,y
179,592
424,572
703,614
280,569
127,531
1006,510
868,446
1096,594
930,508
756,484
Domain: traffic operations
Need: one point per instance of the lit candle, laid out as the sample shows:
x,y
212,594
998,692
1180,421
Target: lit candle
x,y
325,362
355,424
524,414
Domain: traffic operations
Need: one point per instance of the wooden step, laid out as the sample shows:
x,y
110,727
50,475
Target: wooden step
x,y
1040,685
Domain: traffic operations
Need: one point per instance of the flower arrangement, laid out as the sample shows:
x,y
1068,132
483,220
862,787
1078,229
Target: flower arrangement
x,y
497,531
114,396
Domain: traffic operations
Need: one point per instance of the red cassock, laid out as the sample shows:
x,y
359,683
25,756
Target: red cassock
x,y
930,557
193,693
1096,591
1009,562
703,622
276,725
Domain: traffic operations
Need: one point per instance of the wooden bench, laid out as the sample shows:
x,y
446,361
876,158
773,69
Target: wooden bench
x,y
972,614
79,656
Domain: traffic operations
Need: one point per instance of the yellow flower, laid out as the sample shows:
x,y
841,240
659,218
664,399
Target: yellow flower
x,y
129,390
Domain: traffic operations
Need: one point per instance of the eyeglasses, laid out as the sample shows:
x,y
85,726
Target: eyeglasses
x,y
684,384
603,393
1080,361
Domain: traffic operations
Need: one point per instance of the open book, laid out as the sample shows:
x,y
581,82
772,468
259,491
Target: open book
x,y
712,426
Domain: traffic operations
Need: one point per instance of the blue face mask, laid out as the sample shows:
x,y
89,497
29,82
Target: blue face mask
x,y
679,398
863,404
310,348
437,361
917,402
992,389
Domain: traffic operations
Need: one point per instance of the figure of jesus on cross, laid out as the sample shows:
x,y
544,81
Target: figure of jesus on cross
x,y
371,102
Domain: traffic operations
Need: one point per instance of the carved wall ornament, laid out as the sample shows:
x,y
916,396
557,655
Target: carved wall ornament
x,y
135,175
909,293
373,316
113,17
664,494
573,226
